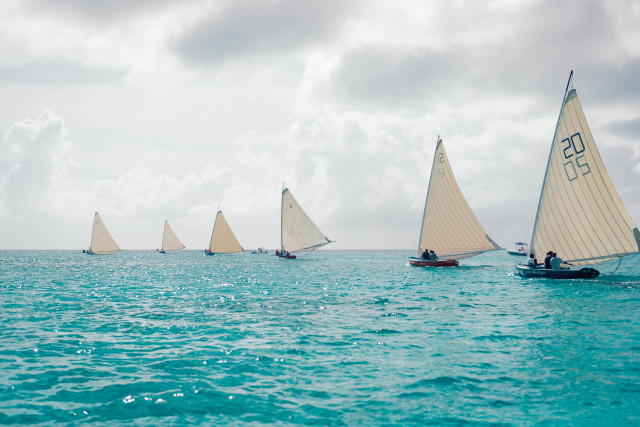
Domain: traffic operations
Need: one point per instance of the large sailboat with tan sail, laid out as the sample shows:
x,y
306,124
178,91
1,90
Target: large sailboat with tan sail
x,y
450,231
223,241
298,233
102,242
581,219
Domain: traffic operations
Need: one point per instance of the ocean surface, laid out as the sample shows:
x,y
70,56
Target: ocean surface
x,y
332,338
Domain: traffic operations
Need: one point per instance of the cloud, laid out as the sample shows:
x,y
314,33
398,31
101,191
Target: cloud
x,y
36,157
248,28
98,12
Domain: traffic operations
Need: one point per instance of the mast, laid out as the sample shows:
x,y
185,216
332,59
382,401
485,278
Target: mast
x,y
544,180
424,212
281,224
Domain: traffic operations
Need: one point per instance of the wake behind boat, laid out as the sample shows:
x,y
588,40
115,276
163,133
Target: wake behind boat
x,y
580,214
450,231
102,242
297,232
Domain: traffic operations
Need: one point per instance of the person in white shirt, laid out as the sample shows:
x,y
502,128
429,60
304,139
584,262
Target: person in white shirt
x,y
556,262
532,261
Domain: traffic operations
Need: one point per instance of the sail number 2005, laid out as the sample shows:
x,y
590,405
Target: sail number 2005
x,y
574,146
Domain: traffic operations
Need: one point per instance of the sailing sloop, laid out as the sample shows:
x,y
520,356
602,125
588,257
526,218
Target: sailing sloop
x,y
449,227
101,240
223,241
170,241
297,232
580,215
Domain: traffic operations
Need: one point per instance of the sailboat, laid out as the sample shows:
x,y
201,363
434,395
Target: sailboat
x,y
450,231
170,241
580,214
223,241
101,240
297,232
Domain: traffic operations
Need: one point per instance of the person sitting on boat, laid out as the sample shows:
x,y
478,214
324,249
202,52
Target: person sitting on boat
x,y
556,262
425,254
433,256
532,261
547,260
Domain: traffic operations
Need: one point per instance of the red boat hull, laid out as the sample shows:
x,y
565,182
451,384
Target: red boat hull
x,y
282,255
419,262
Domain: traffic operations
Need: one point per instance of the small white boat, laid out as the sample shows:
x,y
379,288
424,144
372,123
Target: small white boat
x,y
580,214
297,232
522,249
223,241
449,227
101,241
260,251
170,241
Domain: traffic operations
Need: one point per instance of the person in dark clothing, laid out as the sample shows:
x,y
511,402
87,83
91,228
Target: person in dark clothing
x,y
547,259
425,254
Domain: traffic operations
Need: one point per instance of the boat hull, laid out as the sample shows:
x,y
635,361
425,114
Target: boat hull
x,y
282,255
545,273
516,253
419,262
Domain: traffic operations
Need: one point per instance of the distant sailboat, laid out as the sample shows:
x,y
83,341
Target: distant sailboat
x,y
101,240
223,241
580,214
449,227
297,232
170,241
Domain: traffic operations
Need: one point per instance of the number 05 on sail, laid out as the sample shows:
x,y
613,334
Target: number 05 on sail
x,y
449,227
580,214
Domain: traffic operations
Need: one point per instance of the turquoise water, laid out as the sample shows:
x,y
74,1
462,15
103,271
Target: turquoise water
x,y
335,338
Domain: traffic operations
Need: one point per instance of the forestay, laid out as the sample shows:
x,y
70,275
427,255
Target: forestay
x,y
298,232
449,227
580,214
170,241
223,241
101,240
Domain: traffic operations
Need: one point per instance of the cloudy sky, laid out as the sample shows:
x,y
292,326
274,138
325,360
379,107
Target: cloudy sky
x,y
157,109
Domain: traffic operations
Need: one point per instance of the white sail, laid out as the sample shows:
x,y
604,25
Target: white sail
x,y
223,241
170,241
449,227
580,214
298,232
101,240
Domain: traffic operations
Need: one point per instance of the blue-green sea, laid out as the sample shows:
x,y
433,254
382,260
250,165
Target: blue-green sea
x,y
332,338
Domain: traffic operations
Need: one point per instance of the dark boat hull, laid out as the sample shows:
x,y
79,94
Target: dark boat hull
x,y
545,273
419,262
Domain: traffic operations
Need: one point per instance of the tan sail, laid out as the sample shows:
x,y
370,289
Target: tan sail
x,y
101,240
298,232
223,241
170,241
449,227
580,214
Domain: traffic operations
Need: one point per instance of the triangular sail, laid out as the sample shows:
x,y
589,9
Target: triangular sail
x,y
101,240
580,214
223,241
298,232
170,241
449,227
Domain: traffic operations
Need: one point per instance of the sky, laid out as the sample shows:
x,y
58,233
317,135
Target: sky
x,y
158,109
